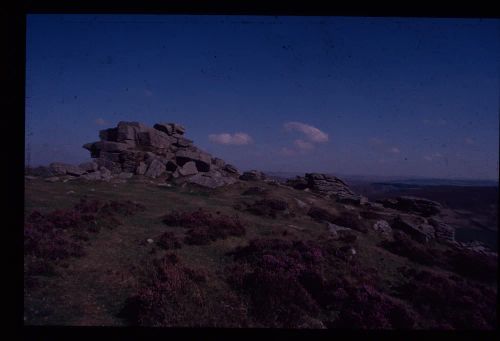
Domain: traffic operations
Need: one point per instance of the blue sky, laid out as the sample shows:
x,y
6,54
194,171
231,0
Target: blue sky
x,y
361,96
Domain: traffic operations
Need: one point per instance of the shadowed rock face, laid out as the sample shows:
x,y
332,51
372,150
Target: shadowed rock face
x,y
408,204
133,147
327,185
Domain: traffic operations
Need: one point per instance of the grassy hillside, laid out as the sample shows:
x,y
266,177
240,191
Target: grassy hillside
x,y
139,253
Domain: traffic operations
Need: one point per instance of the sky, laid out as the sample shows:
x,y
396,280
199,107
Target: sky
x,y
416,97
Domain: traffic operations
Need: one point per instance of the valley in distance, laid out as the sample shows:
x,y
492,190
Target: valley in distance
x,y
154,231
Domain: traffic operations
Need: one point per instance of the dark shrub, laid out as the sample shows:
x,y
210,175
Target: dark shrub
x,y
347,236
173,295
204,227
278,277
405,246
364,307
350,220
320,214
450,302
168,241
268,207
255,191
474,265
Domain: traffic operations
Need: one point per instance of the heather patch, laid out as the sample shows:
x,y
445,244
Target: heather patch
x,y
450,302
205,227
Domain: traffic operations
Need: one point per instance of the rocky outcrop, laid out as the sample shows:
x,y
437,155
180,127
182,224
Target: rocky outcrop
x,y
161,151
444,232
329,186
415,226
409,204
252,175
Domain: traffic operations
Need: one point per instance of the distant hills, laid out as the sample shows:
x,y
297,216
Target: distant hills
x,y
396,181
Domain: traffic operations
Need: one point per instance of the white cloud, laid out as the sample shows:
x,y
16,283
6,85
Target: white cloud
x,y
148,93
100,122
428,158
303,145
230,139
394,150
312,133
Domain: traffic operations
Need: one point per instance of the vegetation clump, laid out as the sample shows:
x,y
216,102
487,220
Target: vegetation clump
x,y
205,227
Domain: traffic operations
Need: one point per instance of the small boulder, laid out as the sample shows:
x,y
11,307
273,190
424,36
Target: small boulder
x,y
189,168
89,166
60,168
141,168
125,175
252,175
92,176
155,169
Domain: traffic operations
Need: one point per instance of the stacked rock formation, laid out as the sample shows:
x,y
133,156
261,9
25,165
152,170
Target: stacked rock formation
x,y
134,148
327,185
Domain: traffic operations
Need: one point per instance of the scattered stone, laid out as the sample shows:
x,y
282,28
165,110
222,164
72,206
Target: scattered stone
x,y
415,226
301,203
89,166
92,176
52,179
30,177
210,180
409,204
125,175
444,232
382,226
70,192
150,241
60,168
141,168
252,175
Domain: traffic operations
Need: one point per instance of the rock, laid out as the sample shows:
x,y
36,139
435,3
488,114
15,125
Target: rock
x,y
252,175
155,169
105,173
93,176
415,226
141,169
155,139
132,147
110,134
41,171
202,160
383,227
299,183
444,232
52,179
183,142
231,169
210,181
30,177
171,166
218,163
334,228
60,168
409,204
301,203
167,128
109,146
125,175
89,166
189,168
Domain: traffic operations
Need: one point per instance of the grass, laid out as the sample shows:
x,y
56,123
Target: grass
x,y
118,265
